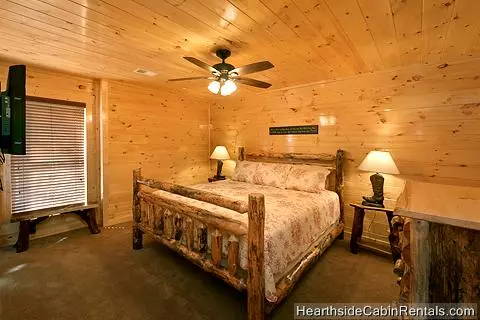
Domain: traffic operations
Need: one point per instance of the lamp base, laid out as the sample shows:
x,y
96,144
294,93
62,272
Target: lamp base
x,y
376,200
219,176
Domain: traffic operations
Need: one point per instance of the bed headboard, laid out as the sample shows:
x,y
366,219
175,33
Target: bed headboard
x,y
333,162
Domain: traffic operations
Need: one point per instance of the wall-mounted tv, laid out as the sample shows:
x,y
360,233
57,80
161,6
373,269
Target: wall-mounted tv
x,y
12,124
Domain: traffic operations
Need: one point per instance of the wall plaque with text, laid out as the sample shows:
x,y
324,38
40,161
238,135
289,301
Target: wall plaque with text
x,y
311,129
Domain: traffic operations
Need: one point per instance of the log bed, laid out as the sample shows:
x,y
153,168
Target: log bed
x,y
182,227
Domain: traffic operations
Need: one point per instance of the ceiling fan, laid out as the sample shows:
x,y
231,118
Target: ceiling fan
x,y
224,75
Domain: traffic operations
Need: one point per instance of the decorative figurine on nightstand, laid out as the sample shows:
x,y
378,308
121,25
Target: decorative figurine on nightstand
x,y
377,161
220,153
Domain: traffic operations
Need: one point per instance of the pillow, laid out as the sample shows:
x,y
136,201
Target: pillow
x,y
307,178
272,174
244,171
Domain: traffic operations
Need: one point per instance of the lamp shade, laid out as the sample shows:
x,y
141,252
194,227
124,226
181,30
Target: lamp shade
x,y
220,153
379,161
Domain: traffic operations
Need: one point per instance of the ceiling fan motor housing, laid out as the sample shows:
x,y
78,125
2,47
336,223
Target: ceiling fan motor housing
x,y
223,67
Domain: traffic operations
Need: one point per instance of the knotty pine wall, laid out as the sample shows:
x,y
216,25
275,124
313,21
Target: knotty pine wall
x,y
428,117
50,84
166,133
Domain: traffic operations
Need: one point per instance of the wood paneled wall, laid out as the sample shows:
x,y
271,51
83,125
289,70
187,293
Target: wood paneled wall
x,y
43,83
166,133
428,117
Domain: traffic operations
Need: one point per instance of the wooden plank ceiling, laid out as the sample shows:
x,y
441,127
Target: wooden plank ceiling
x,y
307,40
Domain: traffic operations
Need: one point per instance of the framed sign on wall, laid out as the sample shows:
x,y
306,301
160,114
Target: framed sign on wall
x,y
310,129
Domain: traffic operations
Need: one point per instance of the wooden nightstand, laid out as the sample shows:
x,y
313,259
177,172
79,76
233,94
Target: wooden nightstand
x,y
357,228
213,179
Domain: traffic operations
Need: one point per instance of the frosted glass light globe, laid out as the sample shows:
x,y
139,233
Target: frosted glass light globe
x,y
228,88
214,87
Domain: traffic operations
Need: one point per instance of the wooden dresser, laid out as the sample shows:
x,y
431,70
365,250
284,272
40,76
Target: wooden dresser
x,y
439,235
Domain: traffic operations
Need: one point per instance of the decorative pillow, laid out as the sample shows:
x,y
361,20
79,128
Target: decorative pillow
x,y
272,174
244,171
307,178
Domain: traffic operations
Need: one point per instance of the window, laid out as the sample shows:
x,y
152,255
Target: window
x,y
53,173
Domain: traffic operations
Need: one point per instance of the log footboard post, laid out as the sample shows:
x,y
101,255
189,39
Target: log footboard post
x,y
256,272
339,175
216,247
136,211
340,157
233,256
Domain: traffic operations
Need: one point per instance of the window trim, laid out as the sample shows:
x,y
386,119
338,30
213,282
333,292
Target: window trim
x,y
56,101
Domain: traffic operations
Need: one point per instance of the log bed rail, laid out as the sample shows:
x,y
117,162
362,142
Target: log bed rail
x,y
185,228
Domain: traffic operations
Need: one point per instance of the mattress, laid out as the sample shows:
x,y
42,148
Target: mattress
x,y
295,221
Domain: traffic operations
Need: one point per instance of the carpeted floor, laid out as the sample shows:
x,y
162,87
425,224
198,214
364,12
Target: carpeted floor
x,y
81,276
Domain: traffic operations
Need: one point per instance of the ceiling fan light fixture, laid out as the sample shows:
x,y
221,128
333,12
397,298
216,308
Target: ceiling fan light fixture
x,y
228,88
214,87
225,76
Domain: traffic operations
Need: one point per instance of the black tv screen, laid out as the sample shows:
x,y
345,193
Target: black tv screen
x,y
13,128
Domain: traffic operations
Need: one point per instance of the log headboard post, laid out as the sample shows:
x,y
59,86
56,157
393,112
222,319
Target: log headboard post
x,y
340,157
241,153
256,269
137,233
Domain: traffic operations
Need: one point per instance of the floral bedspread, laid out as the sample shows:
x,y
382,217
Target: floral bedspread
x,y
294,222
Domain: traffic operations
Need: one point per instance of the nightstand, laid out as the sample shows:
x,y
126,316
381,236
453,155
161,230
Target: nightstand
x,y
213,179
357,228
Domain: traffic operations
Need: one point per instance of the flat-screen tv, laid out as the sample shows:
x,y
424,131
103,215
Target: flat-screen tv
x,y
12,124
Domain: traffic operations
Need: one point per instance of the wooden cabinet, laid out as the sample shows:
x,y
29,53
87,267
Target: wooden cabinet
x,y
440,243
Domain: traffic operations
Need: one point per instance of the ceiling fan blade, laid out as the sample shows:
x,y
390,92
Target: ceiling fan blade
x,y
202,65
192,78
252,68
253,82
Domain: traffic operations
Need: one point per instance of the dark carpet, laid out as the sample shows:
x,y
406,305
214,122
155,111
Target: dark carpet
x,y
76,275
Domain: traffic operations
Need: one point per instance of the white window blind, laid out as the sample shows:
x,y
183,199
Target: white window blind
x,y
53,173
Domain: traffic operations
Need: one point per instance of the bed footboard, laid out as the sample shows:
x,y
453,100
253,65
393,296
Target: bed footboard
x,y
184,229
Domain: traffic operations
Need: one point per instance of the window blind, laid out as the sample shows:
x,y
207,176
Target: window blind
x,y
53,172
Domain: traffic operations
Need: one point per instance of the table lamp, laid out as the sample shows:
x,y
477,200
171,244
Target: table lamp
x,y
378,162
220,153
